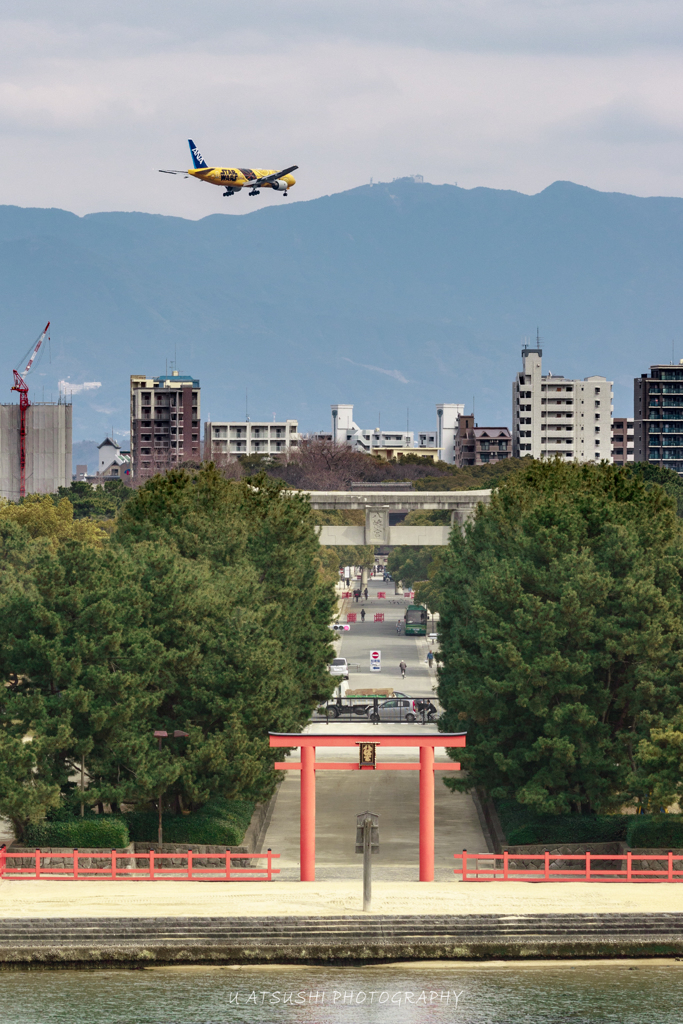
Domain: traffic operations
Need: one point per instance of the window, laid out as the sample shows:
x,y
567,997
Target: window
x,y
597,404
597,391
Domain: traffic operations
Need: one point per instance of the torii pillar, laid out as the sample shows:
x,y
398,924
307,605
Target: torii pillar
x,y
308,766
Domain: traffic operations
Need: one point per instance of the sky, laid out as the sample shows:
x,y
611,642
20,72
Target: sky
x,y
96,96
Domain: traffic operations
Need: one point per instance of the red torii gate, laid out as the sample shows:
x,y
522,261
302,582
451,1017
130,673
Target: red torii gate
x,y
308,765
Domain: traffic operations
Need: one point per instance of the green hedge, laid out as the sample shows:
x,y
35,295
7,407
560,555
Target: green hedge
x,y
658,831
523,826
219,823
107,832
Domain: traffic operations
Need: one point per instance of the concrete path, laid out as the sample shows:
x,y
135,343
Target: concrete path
x,y
340,796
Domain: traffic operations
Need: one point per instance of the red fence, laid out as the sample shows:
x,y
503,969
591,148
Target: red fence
x,y
351,616
381,593
569,867
117,864
379,616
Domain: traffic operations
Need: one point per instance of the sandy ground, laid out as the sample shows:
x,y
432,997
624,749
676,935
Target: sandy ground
x,y
47,898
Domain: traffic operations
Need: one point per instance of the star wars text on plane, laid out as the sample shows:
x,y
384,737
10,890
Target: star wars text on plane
x,y
234,179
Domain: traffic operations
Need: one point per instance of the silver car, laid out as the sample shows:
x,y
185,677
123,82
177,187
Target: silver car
x,y
397,709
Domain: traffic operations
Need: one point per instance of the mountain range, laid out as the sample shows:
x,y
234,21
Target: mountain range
x,y
392,297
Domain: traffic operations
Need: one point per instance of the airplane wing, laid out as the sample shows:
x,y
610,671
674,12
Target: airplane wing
x,y
280,174
174,172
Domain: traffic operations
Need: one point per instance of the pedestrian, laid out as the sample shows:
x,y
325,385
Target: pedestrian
x,y
399,623
430,658
356,594
366,593
402,665
362,615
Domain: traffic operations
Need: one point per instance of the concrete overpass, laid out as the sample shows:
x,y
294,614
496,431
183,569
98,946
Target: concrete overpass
x,y
378,504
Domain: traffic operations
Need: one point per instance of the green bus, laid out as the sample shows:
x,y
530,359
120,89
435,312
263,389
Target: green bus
x,y
416,620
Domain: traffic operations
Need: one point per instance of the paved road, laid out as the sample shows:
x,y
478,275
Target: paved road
x,y
340,796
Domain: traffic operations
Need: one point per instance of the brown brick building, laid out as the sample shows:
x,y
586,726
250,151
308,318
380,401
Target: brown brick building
x,y
164,423
477,446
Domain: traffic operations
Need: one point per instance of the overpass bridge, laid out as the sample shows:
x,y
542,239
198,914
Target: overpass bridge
x,y
377,506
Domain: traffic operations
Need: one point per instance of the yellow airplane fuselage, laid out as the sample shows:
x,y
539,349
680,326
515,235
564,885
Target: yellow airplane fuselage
x,y
240,177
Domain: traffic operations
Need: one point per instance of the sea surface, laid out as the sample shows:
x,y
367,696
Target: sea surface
x,y
578,993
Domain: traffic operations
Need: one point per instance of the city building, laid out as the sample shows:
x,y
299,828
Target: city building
x,y
554,416
48,448
477,446
658,417
447,416
622,441
388,444
113,463
246,438
164,423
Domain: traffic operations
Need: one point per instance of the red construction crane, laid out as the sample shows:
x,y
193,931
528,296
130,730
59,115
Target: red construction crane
x,y
21,386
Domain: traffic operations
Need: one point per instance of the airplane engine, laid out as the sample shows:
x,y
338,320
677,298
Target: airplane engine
x,y
280,186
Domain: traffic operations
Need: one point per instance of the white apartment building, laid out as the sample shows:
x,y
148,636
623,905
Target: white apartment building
x,y
447,416
249,438
557,416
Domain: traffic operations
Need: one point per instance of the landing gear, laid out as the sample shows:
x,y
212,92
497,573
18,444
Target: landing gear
x,y
255,192
229,192
285,194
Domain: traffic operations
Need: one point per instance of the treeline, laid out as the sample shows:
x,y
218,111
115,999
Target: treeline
x,y
562,639
203,612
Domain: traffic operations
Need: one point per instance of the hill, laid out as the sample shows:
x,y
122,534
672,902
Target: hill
x,y
390,296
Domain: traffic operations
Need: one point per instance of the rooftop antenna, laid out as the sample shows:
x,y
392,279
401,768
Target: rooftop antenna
x,y
538,338
472,410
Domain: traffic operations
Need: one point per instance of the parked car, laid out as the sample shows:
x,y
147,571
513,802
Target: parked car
x,y
339,667
388,578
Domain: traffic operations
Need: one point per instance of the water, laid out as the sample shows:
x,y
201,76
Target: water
x,y
583,993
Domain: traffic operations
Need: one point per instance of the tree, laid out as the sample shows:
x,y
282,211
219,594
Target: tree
x,y
410,564
562,634
96,502
206,614
43,517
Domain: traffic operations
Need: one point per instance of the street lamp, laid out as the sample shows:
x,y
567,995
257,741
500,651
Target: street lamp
x,y
160,735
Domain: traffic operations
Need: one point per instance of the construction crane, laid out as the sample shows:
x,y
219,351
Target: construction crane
x,y
21,386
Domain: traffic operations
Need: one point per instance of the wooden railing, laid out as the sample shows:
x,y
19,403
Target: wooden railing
x,y
148,867
569,867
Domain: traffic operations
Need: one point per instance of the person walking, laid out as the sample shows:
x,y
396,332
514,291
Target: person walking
x,y
399,623
362,615
366,593
430,658
356,594
402,665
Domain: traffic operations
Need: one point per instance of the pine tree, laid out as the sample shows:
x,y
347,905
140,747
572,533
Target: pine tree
x,y
562,634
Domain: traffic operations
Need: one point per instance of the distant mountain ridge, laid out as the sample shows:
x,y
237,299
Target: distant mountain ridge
x,y
392,297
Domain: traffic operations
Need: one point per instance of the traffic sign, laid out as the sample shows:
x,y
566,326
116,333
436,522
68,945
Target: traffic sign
x,y
375,661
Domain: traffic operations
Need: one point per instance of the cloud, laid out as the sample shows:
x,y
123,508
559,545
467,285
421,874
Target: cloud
x,y
67,388
396,374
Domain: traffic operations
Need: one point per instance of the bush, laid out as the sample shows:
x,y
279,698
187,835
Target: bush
x,y
107,832
524,827
655,831
219,823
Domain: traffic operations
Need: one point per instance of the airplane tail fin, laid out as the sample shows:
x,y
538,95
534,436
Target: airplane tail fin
x,y
197,158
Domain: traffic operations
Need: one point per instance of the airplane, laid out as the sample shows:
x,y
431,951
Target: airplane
x,y
236,178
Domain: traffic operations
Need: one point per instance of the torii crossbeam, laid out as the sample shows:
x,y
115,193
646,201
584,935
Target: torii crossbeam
x,y
308,765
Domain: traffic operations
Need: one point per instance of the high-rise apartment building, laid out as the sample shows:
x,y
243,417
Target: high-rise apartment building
x,y
164,423
247,438
622,441
557,416
658,417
